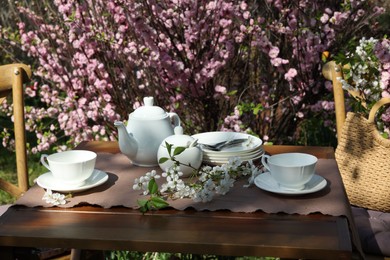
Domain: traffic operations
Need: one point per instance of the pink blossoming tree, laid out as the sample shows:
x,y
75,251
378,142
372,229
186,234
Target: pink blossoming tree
x,y
222,64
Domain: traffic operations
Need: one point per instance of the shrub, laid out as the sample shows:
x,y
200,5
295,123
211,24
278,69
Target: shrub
x,y
223,64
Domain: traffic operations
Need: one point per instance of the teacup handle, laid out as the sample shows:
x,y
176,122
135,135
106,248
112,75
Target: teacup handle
x,y
43,158
264,162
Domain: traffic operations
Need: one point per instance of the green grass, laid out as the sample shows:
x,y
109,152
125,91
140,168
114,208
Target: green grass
x,y
8,171
125,255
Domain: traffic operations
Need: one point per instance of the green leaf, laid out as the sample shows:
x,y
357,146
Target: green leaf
x,y
143,209
169,147
163,160
159,203
232,93
258,109
152,186
178,150
143,205
146,50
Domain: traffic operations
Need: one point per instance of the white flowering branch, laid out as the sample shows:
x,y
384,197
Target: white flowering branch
x,y
209,181
363,72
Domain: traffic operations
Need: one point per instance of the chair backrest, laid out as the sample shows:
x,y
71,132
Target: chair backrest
x,y
12,77
333,72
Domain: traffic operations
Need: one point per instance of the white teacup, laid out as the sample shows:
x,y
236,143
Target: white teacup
x,y
71,168
291,170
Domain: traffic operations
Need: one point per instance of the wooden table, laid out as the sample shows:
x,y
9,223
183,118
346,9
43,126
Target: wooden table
x,y
314,236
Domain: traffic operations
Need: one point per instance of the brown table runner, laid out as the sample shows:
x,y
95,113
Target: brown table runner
x,y
118,191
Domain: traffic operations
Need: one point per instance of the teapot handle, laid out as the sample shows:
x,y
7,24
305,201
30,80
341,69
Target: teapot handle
x,y
174,118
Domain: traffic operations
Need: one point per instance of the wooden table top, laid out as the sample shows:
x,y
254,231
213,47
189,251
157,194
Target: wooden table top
x,y
314,236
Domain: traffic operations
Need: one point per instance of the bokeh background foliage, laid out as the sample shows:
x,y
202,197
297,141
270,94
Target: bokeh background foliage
x,y
250,66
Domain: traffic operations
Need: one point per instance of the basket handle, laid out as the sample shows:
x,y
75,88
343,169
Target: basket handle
x,y
376,107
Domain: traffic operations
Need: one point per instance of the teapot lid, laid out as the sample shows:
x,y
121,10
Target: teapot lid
x,y
180,139
148,111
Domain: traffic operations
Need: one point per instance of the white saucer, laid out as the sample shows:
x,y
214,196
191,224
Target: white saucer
x,y
265,182
47,181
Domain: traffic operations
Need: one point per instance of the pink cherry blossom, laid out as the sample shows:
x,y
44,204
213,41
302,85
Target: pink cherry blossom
x,y
235,64
290,75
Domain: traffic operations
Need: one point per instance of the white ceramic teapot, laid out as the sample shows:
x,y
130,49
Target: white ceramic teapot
x,y
147,127
192,155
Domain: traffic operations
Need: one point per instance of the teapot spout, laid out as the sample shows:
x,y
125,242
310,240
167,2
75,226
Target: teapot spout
x,y
127,143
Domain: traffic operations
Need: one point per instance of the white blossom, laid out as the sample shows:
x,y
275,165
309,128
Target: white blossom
x,y
185,192
224,184
152,174
142,182
254,173
205,195
234,162
54,198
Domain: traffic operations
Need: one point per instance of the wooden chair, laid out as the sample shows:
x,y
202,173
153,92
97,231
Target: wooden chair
x,y
12,78
363,217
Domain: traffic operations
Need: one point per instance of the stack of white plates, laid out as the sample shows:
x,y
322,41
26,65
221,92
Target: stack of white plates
x,y
251,149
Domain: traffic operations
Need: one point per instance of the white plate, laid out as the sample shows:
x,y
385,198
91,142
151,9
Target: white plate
x,y
47,181
243,156
221,161
225,156
265,182
215,137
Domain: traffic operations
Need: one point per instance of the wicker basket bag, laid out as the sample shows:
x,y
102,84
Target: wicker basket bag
x,y
363,158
